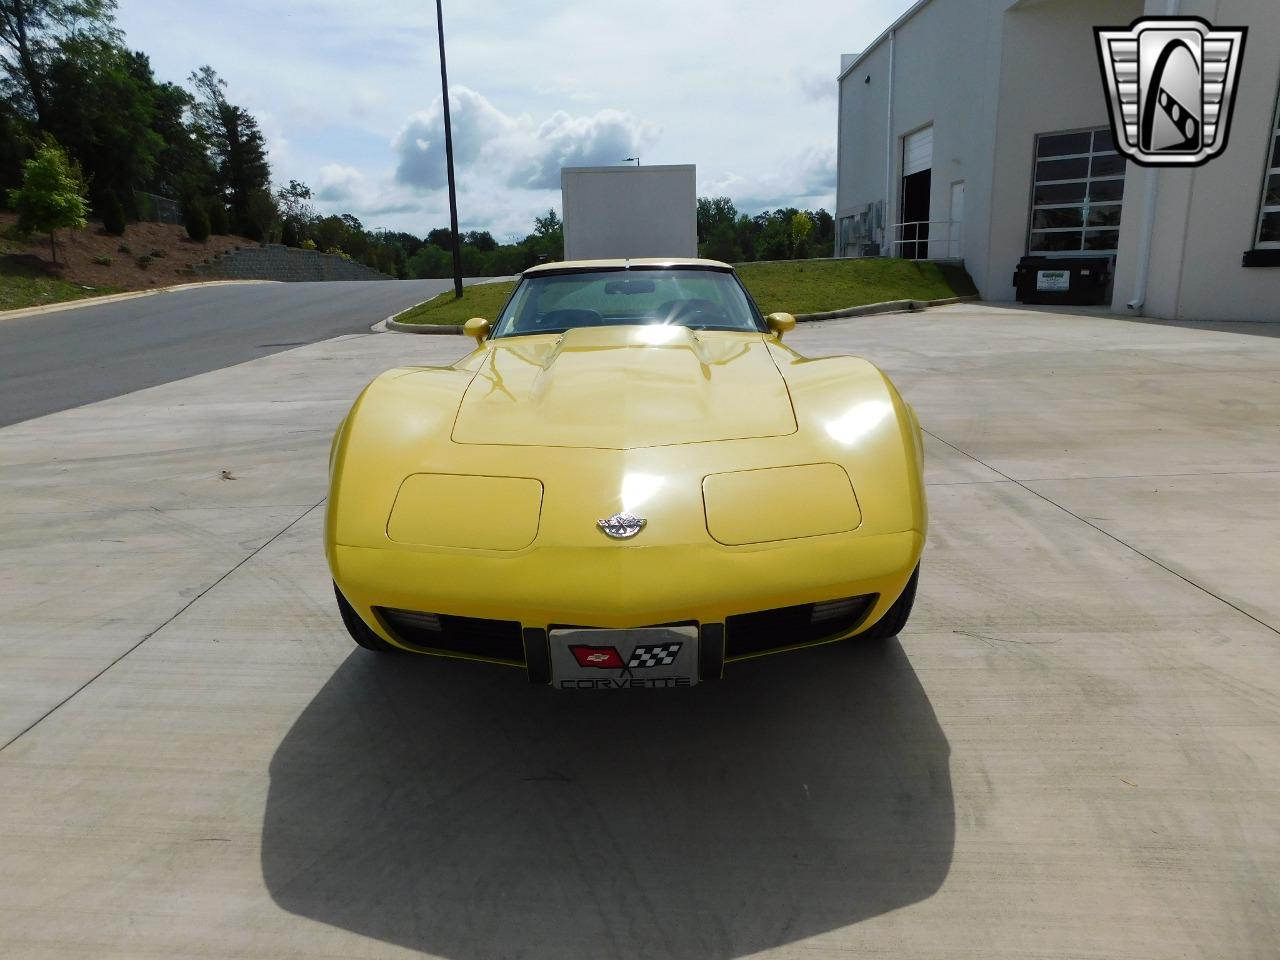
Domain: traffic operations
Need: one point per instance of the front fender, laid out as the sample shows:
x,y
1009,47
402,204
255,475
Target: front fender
x,y
853,414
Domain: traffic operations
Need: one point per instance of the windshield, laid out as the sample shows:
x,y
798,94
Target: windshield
x,y
701,299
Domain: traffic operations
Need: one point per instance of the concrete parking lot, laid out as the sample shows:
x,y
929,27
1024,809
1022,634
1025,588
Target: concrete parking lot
x,y
1073,750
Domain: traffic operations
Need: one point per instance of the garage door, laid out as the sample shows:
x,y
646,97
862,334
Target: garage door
x,y
917,151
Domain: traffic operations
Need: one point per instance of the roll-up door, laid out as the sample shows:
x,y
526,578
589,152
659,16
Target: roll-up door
x,y
917,151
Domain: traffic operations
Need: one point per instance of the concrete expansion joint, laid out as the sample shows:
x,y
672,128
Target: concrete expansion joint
x,y
1106,533
151,633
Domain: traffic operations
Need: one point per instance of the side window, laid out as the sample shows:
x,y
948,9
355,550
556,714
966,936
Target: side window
x,y
1268,236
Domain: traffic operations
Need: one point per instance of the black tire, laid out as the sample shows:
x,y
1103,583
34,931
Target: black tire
x,y
358,629
891,624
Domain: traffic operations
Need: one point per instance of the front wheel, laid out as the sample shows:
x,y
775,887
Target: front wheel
x,y
891,624
358,629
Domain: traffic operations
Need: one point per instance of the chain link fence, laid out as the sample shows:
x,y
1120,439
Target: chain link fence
x,y
157,209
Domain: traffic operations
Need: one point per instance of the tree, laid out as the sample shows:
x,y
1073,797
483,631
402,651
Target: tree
x,y
722,245
261,215
30,33
113,219
16,146
774,239
52,195
549,225
801,228
547,241
431,262
713,213
236,145
292,201
328,232
296,213
218,221
481,240
442,237
195,217
182,168
101,108
824,234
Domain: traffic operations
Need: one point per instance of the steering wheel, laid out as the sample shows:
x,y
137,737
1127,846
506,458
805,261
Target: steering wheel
x,y
569,317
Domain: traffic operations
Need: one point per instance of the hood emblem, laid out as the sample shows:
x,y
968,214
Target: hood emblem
x,y
622,526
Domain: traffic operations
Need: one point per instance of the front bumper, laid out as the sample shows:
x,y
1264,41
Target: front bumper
x,y
626,586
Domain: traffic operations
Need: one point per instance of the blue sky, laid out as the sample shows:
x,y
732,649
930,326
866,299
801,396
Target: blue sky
x,y
348,94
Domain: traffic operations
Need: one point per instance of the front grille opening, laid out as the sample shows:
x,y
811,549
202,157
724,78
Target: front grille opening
x,y
471,636
783,627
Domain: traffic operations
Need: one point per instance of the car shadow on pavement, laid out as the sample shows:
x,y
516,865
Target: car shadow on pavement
x,y
452,808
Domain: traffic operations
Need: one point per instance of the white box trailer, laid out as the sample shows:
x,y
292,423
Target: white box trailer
x,y
628,211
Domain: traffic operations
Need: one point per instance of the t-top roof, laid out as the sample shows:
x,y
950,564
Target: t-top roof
x,y
640,263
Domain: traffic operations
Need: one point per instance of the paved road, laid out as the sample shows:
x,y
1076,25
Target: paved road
x,y
59,360
1073,749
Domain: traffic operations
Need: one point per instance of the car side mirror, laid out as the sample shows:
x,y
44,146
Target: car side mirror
x,y
780,323
478,327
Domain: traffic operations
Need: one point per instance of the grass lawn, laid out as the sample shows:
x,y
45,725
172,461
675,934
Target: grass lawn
x,y
478,300
796,286
21,286
816,286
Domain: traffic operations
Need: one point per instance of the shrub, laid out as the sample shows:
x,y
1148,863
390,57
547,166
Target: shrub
x,y
144,261
103,261
196,219
158,253
124,248
289,234
219,222
308,244
113,220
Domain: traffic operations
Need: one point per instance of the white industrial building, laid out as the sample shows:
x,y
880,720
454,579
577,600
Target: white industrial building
x,y
979,129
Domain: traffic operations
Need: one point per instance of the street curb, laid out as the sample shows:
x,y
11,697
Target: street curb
x,y
116,298
444,328
390,324
888,306
866,310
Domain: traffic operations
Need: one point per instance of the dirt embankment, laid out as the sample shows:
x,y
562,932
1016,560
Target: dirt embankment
x,y
148,255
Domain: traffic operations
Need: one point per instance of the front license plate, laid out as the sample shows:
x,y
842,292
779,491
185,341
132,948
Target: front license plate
x,y
649,657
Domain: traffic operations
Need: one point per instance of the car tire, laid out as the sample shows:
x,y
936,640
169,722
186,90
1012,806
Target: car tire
x,y
891,624
358,629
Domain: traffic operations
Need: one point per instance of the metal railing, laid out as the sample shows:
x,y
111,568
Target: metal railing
x,y
916,240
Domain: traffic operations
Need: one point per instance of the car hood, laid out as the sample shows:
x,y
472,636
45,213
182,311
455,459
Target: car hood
x,y
625,387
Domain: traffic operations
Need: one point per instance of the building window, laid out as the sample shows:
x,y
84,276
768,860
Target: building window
x,y
1077,193
1269,217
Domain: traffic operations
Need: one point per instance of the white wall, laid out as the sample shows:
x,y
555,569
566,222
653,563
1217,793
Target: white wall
x,y
629,211
1049,81
944,74
1206,217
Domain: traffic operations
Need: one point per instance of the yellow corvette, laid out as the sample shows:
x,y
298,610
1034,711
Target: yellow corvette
x,y
630,482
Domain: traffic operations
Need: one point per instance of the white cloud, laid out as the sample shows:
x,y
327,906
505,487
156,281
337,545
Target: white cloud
x,y
338,183
341,87
511,150
566,141
806,179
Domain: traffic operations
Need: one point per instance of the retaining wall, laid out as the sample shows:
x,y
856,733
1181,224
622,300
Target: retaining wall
x,y
274,261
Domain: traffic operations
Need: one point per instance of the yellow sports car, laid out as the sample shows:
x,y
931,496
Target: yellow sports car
x,y
630,482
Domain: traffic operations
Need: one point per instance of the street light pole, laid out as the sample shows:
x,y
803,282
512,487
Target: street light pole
x,y
448,154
